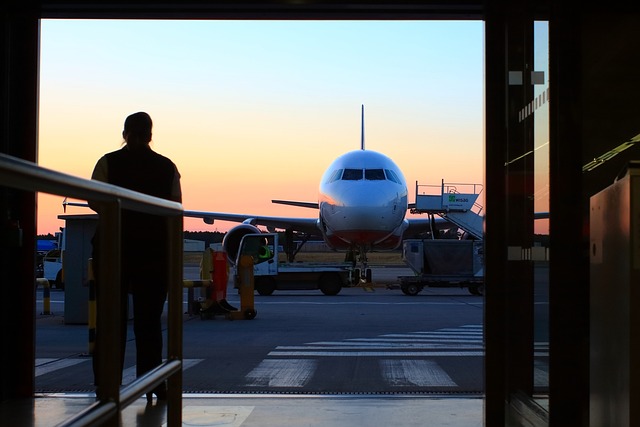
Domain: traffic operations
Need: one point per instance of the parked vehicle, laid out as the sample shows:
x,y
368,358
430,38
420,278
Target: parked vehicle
x,y
443,263
271,275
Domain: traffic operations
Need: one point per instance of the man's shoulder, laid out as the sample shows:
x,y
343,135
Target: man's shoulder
x,y
148,152
162,159
115,153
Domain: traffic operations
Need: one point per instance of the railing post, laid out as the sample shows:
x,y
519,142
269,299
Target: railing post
x,y
108,340
174,340
109,199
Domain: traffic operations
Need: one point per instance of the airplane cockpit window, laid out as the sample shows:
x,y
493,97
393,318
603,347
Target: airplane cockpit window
x,y
336,175
352,174
391,176
374,174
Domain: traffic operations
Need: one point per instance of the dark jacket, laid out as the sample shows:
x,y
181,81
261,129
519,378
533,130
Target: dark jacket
x,y
144,237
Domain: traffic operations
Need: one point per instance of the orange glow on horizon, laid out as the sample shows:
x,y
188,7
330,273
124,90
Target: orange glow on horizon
x,y
251,111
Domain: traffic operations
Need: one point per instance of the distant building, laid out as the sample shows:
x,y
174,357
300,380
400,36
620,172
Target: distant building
x,y
193,245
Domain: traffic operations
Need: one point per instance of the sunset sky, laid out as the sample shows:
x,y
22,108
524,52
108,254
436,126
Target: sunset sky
x,y
256,110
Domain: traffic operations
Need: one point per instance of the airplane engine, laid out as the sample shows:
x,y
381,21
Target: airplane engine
x,y
231,241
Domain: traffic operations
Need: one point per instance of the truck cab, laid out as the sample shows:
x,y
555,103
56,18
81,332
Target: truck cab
x,y
269,274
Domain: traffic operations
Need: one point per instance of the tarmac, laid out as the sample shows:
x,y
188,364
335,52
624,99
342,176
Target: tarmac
x,y
262,411
259,410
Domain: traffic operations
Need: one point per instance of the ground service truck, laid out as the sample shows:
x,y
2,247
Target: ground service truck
x,y
270,274
443,263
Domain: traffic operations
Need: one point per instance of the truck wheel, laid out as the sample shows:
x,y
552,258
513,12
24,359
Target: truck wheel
x,y
330,283
59,283
411,289
265,285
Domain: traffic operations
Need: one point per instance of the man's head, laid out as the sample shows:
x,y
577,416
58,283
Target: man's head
x,y
137,129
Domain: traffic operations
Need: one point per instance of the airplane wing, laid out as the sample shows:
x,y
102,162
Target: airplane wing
x,y
306,225
310,205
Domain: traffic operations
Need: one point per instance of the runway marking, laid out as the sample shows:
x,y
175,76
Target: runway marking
x,y
377,353
281,373
423,373
402,357
425,340
444,342
47,365
129,374
379,345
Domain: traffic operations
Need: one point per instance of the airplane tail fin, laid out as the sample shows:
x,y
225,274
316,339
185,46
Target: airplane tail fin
x,y
362,129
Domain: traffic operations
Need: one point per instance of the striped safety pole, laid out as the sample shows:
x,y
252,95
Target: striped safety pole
x,y
92,320
46,295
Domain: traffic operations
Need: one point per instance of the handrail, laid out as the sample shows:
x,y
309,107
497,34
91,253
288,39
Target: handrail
x,y
24,175
20,174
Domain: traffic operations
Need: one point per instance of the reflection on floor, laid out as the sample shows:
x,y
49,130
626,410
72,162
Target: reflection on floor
x,y
263,411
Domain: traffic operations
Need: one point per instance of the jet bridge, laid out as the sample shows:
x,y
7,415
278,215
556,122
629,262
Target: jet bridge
x,y
456,203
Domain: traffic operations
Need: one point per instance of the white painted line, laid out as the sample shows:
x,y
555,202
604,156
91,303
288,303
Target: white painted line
x,y
464,335
281,373
439,339
424,373
382,346
45,366
375,353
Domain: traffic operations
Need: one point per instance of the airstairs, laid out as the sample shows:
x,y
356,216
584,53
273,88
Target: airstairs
x,y
456,203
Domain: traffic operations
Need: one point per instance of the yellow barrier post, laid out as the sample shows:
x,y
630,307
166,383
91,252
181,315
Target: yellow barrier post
x,y
46,295
246,289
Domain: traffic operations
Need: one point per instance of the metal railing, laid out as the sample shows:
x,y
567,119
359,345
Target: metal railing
x,y
23,175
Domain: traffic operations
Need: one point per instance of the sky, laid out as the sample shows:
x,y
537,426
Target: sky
x,y
251,111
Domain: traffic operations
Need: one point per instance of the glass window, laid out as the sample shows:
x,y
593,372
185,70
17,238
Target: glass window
x,y
335,175
352,174
391,176
374,174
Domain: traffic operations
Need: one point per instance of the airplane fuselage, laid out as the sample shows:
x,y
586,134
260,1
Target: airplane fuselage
x,y
363,201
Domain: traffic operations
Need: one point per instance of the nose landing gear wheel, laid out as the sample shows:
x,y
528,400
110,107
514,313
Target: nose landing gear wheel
x,y
368,275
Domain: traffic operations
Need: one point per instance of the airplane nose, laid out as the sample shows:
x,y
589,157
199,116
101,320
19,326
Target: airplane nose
x,y
370,219
367,211
366,206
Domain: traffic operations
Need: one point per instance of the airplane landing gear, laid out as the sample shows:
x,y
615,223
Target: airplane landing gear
x,y
366,271
360,275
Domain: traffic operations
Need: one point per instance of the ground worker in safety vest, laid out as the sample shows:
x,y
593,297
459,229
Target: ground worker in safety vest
x,y
264,254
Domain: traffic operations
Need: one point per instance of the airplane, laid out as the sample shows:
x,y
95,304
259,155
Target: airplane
x,y
362,204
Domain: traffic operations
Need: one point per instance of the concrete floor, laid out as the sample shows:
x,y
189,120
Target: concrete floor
x,y
263,411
